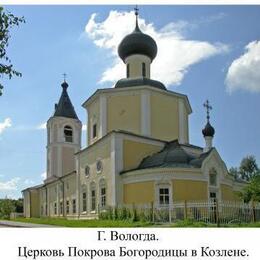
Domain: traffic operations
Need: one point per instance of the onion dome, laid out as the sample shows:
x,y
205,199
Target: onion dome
x,y
208,130
137,43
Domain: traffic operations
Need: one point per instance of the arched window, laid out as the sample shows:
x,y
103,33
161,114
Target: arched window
x,y
87,171
94,131
212,177
93,196
99,166
143,70
68,134
84,198
103,191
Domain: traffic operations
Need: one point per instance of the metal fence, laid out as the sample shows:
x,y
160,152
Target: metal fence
x,y
224,212
210,212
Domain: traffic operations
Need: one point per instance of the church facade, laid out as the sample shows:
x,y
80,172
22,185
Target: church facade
x,y
137,152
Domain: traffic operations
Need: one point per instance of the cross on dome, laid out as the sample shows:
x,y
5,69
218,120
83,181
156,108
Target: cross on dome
x,y
136,18
64,76
208,108
136,10
208,130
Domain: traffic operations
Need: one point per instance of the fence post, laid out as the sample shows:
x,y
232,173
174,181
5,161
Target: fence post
x,y
253,211
217,213
185,210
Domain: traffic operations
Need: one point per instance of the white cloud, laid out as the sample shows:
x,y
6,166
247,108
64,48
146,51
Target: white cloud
x,y
9,185
28,182
84,127
42,126
243,73
175,53
5,124
44,175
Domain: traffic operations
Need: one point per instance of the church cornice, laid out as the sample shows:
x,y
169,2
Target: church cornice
x,y
126,89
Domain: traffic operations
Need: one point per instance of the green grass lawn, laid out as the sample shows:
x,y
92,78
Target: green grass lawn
x,y
120,223
84,223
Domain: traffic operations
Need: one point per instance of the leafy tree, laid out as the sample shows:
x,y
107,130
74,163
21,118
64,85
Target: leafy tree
x,y
18,205
247,170
234,172
252,191
6,208
7,22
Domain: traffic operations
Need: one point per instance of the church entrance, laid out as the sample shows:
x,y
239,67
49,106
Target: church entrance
x,y
213,202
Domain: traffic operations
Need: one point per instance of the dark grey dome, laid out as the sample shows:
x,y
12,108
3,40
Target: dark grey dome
x,y
137,43
65,108
208,130
172,155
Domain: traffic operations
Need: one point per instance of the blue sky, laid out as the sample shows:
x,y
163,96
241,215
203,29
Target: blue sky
x,y
207,52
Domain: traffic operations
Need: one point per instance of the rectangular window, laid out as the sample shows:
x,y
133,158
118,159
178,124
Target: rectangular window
x,y
84,201
103,197
143,70
212,195
61,207
55,208
67,206
68,134
74,206
93,200
94,134
164,196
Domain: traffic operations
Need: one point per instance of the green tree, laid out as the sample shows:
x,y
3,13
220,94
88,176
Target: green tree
x,y
234,172
6,208
252,191
247,170
18,205
7,22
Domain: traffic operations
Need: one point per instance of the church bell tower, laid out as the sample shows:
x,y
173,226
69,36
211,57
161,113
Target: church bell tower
x,y
64,137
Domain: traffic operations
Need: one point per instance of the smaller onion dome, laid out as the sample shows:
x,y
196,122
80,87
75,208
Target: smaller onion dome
x,y
65,85
137,43
208,130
